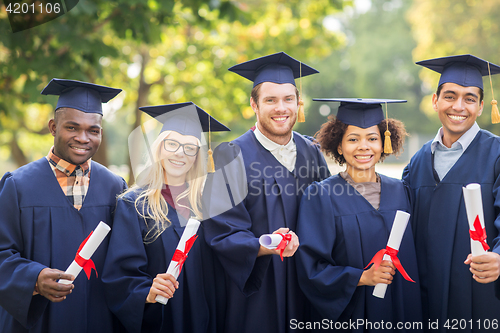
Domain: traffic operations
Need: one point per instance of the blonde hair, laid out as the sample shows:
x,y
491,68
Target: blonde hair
x,y
150,203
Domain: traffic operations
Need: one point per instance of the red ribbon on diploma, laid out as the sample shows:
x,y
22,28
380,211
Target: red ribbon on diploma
x,y
86,264
284,242
377,259
179,256
479,234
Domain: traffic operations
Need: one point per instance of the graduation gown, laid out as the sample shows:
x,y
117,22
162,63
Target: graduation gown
x,y
441,232
262,292
340,232
40,228
130,270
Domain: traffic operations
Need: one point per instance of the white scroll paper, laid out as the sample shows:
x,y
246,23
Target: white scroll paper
x,y
270,241
88,250
474,208
173,269
398,229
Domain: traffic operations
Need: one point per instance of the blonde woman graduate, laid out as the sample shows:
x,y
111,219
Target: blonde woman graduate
x,y
150,219
346,219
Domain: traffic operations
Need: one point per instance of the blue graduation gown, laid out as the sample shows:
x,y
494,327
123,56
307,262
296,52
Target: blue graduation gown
x,y
442,236
40,228
130,270
339,234
262,292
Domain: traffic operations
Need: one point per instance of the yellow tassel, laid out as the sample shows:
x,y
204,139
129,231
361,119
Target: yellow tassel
x,y
495,116
300,114
210,165
387,142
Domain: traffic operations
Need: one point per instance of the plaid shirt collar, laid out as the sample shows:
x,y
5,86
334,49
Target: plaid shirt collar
x,y
65,167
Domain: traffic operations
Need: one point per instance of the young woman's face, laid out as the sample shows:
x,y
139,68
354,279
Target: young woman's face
x,y
178,154
361,148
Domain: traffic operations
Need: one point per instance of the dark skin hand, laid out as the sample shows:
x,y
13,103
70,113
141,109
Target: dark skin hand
x,y
48,287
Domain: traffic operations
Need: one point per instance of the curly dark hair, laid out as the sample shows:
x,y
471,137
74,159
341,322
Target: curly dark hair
x,y
332,132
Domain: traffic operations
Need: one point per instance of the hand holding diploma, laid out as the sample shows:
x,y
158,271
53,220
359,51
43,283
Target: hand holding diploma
x,y
47,285
282,241
165,282
85,251
390,252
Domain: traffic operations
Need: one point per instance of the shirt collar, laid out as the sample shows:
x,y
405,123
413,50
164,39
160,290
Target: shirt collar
x,y
464,141
65,166
271,145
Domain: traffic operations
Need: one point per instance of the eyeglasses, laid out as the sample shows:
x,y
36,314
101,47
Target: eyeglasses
x,y
172,146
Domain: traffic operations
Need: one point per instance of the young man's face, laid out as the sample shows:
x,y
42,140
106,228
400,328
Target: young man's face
x,y
457,108
276,111
77,135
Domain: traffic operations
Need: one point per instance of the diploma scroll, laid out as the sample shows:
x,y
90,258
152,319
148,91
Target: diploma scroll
x,y
474,207
270,241
175,266
90,245
398,229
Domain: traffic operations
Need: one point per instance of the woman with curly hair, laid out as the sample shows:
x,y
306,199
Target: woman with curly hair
x,y
150,218
347,218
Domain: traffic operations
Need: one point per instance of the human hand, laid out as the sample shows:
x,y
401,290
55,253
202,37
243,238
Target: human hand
x,y
163,285
292,245
48,287
485,268
383,274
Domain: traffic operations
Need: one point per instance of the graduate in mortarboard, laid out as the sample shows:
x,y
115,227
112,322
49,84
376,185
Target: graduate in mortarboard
x,y
149,221
456,285
262,197
346,219
48,208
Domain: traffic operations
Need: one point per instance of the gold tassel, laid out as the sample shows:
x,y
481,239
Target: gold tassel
x,y
495,116
301,118
387,142
210,162
210,165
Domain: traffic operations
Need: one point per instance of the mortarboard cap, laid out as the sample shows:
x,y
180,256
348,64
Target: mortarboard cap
x,y
184,118
361,112
277,68
83,96
465,70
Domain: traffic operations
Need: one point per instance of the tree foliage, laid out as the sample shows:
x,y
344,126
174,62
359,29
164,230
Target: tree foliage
x,y
158,52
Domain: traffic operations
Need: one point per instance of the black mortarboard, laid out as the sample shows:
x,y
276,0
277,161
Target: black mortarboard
x,y
83,96
184,118
361,112
277,68
465,70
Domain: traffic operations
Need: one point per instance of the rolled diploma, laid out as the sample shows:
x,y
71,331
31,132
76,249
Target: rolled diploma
x,y
189,231
88,250
397,232
270,241
474,207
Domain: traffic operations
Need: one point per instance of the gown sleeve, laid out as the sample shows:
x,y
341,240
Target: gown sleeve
x,y
125,274
18,275
328,286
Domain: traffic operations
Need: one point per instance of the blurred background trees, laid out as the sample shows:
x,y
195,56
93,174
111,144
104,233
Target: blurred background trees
x,y
171,51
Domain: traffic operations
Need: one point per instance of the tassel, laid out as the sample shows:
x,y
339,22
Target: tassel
x,y
495,116
387,143
300,113
210,164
